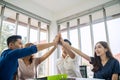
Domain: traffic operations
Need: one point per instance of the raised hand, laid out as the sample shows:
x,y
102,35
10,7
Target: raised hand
x,y
57,38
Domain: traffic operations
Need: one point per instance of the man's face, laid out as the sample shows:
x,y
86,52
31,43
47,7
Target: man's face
x,y
16,45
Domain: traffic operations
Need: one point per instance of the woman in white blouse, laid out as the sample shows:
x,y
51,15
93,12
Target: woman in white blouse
x,y
28,65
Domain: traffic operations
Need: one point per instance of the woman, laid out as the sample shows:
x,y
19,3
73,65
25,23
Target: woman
x,y
105,66
28,65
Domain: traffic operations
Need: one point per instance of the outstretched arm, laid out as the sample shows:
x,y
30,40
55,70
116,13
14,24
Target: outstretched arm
x,y
44,46
19,53
46,55
67,49
81,54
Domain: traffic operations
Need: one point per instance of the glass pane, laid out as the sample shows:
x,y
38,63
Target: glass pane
x,y
33,35
99,32
23,19
23,32
86,40
63,26
74,37
43,26
73,22
10,15
42,69
84,20
64,34
114,30
95,15
86,47
43,37
8,29
34,23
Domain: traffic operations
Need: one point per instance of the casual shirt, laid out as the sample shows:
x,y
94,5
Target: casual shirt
x,y
105,72
68,66
9,61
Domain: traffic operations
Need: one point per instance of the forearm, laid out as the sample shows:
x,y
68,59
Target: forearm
x,y
46,55
81,54
68,49
19,53
69,52
44,46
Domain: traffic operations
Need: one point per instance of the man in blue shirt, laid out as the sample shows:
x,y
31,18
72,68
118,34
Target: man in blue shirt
x,y
9,58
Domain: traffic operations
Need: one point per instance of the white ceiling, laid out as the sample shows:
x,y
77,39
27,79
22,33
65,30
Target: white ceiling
x,y
56,8
58,5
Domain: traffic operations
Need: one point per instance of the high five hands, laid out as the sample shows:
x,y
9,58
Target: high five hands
x,y
58,40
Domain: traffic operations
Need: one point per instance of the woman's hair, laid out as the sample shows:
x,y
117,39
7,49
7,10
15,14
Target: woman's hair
x,y
97,62
28,45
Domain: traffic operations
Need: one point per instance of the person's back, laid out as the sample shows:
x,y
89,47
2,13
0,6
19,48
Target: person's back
x,y
4,69
9,61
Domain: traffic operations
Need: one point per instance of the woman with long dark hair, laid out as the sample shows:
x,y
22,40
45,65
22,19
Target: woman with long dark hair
x,y
105,66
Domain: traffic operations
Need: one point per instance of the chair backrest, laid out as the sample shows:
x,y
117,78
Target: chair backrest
x,y
83,70
119,76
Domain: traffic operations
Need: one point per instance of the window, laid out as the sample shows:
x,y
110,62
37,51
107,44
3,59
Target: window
x,y
8,27
33,35
99,32
114,30
74,37
22,30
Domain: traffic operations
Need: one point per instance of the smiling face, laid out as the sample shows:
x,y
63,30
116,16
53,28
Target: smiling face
x,y
100,50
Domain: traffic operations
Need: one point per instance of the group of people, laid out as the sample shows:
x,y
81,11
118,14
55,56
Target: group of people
x,y
18,61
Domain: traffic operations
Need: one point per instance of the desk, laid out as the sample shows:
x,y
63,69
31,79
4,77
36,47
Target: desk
x,y
83,79
68,79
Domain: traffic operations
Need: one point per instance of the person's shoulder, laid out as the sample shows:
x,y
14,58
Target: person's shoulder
x,y
114,60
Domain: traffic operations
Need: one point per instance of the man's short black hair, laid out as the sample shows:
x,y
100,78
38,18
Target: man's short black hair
x,y
13,38
66,40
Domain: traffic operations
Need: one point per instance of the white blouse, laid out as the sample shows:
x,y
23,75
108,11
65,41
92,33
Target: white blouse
x,y
68,66
26,72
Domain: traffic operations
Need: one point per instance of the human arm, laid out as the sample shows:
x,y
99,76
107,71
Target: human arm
x,y
19,53
67,49
115,77
116,70
81,54
46,55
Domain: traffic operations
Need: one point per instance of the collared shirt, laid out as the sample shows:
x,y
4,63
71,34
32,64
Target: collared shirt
x,y
105,72
68,66
9,61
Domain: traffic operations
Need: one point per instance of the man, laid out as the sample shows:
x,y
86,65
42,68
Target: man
x,y
68,63
9,58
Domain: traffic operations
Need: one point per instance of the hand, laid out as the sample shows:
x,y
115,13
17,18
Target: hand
x,y
61,41
57,38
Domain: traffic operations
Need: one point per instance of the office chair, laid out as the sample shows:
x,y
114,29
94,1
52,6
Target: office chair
x,y
83,70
